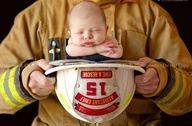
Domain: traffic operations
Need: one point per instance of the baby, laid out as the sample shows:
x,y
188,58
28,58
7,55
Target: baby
x,y
88,31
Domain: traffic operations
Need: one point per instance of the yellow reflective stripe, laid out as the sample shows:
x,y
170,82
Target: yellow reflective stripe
x,y
14,90
64,101
2,89
181,84
9,91
177,91
127,100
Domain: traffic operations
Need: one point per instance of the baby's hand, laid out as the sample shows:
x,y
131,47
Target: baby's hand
x,y
111,42
107,47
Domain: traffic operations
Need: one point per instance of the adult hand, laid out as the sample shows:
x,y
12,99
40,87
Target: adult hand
x,y
38,82
148,82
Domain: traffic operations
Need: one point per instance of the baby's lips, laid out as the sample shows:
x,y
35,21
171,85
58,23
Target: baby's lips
x,y
88,43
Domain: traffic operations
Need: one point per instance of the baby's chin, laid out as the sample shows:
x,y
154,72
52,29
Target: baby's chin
x,y
88,45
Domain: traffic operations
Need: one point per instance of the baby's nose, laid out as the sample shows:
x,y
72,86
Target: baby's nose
x,y
88,36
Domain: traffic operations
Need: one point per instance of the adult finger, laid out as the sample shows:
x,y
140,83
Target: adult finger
x,y
145,60
40,78
43,64
145,77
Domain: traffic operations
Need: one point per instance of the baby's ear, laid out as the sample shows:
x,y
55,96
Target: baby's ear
x,y
107,27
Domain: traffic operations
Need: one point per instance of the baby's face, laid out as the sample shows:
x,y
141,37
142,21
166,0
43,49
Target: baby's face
x,y
88,31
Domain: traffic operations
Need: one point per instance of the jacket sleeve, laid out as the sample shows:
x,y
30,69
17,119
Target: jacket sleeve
x,y
23,42
13,95
174,66
174,95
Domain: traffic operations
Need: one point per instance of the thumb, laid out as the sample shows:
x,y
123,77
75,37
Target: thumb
x,y
145,60
42,63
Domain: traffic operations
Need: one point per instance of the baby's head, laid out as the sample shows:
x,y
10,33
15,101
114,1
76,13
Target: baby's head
x,y
85,9
87,19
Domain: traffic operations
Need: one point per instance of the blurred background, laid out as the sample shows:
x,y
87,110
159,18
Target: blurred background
x,y
181,12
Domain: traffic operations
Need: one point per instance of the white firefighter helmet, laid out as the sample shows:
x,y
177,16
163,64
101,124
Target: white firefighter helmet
x,y
95,92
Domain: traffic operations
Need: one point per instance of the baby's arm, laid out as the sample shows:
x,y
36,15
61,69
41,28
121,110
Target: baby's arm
x,y
74,50
109,48
114,49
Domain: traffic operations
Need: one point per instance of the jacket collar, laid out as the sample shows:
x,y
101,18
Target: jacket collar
x,y
101,2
